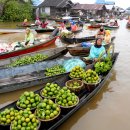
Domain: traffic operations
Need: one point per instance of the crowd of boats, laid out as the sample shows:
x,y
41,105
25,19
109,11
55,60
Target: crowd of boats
x,y
16,73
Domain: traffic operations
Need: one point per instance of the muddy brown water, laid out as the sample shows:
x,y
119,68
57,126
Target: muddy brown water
x,y
109,109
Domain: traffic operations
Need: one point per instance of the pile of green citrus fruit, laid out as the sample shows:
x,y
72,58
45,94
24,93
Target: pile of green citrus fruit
x,y
47,110
7,116
25,120
55,70
28,60
28,100
91,77
74,84
50,90
77,72
66,98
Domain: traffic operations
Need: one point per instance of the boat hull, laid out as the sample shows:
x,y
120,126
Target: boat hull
x,y
27,50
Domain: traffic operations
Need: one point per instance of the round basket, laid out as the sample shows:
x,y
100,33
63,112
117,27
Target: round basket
x,y
7,125
70,106
43,120
46,97
38,127
25,108
74,89
90,86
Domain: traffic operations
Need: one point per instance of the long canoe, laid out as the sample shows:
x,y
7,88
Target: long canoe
x,y
36,47
27,26
108,27
82,51
84,97
94,26
42,30
77,40
51,53
78,30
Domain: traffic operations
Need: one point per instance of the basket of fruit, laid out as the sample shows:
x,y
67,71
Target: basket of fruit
x,y
50,90
66,98
28,100
47,110
77,73
75,85
91,79
7,116
25,120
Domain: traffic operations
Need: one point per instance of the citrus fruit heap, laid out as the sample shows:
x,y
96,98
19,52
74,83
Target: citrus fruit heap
x,y
28,60
77,72
28,100
47,110
55,70
91,77
74,85
7,116
50,90
66,98
25,120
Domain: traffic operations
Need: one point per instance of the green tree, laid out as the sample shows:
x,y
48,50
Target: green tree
x,y
15,10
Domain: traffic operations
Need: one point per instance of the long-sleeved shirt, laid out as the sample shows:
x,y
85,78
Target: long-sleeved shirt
x,y
29,38
96,52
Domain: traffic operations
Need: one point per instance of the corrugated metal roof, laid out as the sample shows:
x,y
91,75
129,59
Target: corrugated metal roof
x,y
89,7
56,3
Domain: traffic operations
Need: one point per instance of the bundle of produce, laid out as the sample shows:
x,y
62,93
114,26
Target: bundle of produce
x,y
28,60
55,70
104,66
66,98
28,100
50,90
25,120
77,72
47,110
7,116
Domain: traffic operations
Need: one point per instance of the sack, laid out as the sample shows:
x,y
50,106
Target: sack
x,y
71,63
86,44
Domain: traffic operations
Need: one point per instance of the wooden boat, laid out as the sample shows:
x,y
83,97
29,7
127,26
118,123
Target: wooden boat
x,y
108,27
28,75
42,30
9,31
78,30
51,53
77,40
84,97
27,26
38,46
94,26
82,51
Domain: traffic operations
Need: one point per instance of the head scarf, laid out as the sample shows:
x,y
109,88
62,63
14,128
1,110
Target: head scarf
x,y
96,45
108,32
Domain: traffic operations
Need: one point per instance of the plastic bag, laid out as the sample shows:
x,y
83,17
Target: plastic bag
x,y
58,42
71,63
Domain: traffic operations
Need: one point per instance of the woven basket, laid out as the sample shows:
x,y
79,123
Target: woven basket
x,y
70,106
91,86
37,127
43,120
75,89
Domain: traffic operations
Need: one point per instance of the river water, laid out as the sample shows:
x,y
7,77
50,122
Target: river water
x,y
109,109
